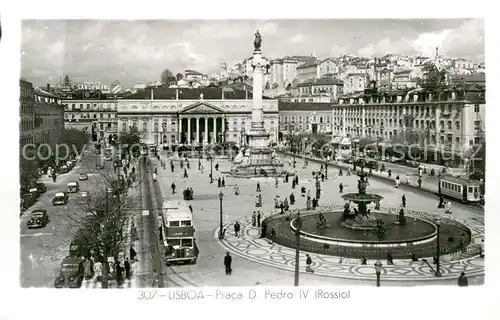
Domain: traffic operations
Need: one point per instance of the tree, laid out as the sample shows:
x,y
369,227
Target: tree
x,y
275,85
99,224
28,172
74,139
129,139
179,76
67,81
167,77
268,85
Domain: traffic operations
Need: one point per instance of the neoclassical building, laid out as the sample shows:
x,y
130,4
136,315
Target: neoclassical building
x,y
169,116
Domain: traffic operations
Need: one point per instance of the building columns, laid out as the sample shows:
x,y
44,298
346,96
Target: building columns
x,y
189,131
180,131
214,138
205,138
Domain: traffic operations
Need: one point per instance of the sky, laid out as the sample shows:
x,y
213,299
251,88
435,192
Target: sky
x,y
96,50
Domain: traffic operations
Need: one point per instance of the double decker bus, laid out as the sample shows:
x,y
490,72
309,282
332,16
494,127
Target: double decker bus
x,y
178,233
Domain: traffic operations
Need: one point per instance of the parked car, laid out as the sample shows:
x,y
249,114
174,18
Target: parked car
x,y
39,219
83,176
83,197
42,188
64,169
70,274
28,200
34,193
60,198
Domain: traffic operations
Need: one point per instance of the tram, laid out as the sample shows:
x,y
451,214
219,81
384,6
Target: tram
x,y
178,230
465,190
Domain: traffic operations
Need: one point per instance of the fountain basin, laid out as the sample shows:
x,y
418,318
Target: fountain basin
x,y
362,198
416,231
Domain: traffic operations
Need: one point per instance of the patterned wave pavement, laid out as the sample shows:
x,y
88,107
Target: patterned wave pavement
x,y
251,247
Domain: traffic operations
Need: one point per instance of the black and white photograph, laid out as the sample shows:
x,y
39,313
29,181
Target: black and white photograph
x,y
240,153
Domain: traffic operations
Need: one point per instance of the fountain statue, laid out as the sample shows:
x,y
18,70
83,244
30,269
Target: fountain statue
x,y
361,219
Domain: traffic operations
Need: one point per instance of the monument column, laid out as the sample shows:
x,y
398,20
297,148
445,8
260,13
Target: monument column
x,y
205,137
189,130
180,130
214,138
197,140
223,130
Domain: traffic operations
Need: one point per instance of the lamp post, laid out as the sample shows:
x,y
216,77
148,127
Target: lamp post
x,y
297,249
221,233
438,248
211,167
326,167
378,271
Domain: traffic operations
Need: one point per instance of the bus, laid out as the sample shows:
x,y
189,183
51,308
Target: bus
x,y
178,232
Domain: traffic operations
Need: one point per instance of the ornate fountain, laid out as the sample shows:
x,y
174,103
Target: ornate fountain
x,y
360,217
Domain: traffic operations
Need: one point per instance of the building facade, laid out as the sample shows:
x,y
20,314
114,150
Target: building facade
x,y
325,89
283,72
354,82
92,116
305,117
193,116
315,69
42,116
452,120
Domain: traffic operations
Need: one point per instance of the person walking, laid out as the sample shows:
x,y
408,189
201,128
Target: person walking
x,y
341,188
119,274
308,263
258,187
462,280
98,270
223,182
258,219
254,219
276,182
173,187
236,190
219,182
403,200
227,263
237,229
87,269
127,268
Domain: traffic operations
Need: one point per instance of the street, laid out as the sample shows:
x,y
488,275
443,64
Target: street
x,y
43,249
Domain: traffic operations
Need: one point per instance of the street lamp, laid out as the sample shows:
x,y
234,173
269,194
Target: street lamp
x,y
221,233
211,167
438,248
378,271
297,249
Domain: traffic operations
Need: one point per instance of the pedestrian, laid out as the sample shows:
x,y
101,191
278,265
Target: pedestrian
x,y
258,187
340,172
282,207
199,164
132,253
292,199
254,219
314,203
119,274
237,229
98,270
191,209
308,203
185,173
172,166
308,263
397,181
219,182
276,203
87,269
223,182
441,202
236,190
322,177
173,187
285,204
227,263
403,200
127,268
462,280
419,181
341,188
260,200
276,182
258,219
187,163
216,167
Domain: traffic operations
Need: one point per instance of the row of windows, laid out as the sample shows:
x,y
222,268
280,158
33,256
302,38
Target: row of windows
x,y
300,119
406,108
88,115
415,124
321,127
451,186
173,124
47,99
88,106
26,92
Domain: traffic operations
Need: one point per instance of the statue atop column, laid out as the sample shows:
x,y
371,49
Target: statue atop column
x,y
257,42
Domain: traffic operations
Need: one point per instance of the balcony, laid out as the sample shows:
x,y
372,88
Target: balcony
x,y
111,130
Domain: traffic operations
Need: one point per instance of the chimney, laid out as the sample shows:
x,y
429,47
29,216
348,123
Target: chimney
x,y
48,87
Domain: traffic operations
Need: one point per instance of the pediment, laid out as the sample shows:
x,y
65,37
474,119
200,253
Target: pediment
x,y
202,107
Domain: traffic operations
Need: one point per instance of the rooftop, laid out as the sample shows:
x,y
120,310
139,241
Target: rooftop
x,y
193,72
304,106
192,93
310,63
327,81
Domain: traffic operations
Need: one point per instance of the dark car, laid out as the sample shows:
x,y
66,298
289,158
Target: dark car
x,y
39,219
42,188
70,274
60,198
27,200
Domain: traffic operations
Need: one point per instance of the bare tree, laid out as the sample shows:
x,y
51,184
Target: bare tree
x,y
29,172
99,223
167,77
